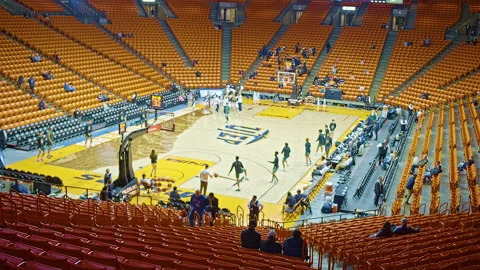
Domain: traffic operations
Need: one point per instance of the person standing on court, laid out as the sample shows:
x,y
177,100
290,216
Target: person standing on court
x,y
239,169
328,145
308,150
41,146
321,141
275,167
107,177
332,127
197,204
204,175
50,142
254,207
286,155
378,190
88,133
153,162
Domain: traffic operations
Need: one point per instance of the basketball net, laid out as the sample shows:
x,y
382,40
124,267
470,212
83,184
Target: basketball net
x,y
285,81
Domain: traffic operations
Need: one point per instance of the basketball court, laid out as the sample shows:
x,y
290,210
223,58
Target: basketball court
x,y
253,135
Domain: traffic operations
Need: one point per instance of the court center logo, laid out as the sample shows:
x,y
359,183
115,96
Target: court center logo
x,y
237,135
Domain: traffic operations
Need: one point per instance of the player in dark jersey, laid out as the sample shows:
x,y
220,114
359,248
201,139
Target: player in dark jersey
x,y
286,154
239,169
88,133
275,168
332,127
41,146
308,150
321,141
49,141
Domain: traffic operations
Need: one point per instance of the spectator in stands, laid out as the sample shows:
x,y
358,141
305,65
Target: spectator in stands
x,y
41,105
35,58
388,160
348,160
305,203
290,201
272,78
379,188
104,193
174,195
198,201
410,109
328,46
294,246
20,80
103,97
69,87
20,188
47,75
31,83
424,95
251,238
212,207
270,245
418,163
375,129
436,170
134,97
405,229
427,42
464,164
386,230
255,207
56,57
372,46
409,187
313,51
146,183
334,69
107,177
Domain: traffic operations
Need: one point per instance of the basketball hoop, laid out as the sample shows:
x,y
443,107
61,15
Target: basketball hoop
x,y
285,81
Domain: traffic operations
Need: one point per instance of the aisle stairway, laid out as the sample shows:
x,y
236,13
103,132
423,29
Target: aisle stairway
x,y
412,14
270,45
323,55
426,68
226,50
357,21
176,44
383,64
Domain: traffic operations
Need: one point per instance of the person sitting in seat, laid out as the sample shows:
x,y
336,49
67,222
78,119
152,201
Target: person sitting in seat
x,y
294,246
270,245
464,164
56,57
69,87
103,97
174,195
35,58
146,183
405,229
198,74
386,231
424,95
305,203
42,105
437,169
47,75
251,238
134,97
290,201
348,160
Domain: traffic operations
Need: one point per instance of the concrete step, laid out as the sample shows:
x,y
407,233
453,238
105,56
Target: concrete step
x,y
226,50
141,9
445,176
168,11
321,59
280,32
357,21
411,16
176,44
463,181
333,15
383,64
439,57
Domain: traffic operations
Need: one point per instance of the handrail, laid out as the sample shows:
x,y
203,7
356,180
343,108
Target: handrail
x,y
441,206
116,207
40,200
242,215
13,205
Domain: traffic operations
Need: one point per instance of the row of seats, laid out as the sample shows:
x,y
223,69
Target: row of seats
x,y
33,232
253,34
356,53
42,5
309,33
89,64
440,237
15,61
18,108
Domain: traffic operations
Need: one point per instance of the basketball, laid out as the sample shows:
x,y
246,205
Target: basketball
x,y
215,175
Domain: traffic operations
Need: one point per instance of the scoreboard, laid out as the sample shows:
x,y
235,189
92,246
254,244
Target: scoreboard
x,y
156,102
